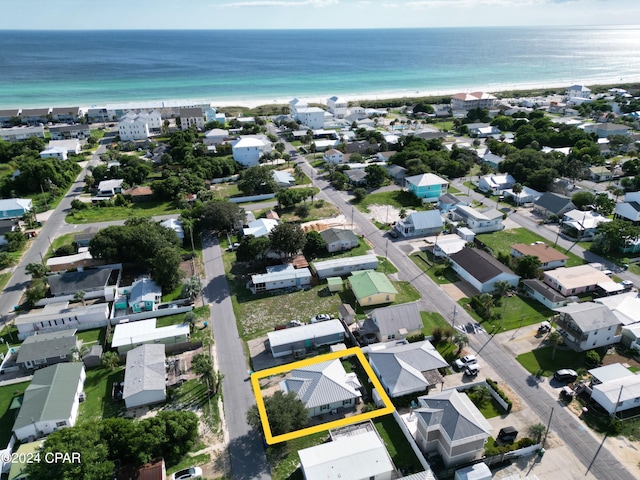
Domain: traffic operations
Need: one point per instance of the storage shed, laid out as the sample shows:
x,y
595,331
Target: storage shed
x,y
292,341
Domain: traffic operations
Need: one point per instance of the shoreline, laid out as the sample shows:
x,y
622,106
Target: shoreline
x,y
250,102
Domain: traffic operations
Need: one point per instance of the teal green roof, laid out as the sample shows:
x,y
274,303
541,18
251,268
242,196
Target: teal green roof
x,y
50,395
367,283
334,281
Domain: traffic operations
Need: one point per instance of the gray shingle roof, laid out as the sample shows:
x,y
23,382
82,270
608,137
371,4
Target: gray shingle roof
x,y
145,370
590,316
47,345
547,292
71,282
391,319
332,235
50,395
479,264
553,202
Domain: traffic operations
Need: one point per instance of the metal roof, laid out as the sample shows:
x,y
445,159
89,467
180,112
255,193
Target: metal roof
x,y
589,316
305,332
145,370
145,331
367,283
71,282
47,345
391,319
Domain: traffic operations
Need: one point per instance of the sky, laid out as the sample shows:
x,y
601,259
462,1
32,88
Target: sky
x,y
304,14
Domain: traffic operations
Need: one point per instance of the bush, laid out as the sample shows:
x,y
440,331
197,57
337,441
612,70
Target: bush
x,y
302,210
592,358
69,249
5,260
418,337
359,194
500,393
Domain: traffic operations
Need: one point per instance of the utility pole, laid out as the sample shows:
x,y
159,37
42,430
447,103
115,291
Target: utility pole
x,y
453,318
546,432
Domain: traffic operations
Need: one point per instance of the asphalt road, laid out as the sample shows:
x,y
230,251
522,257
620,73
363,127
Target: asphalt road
x,y
588,448
246,450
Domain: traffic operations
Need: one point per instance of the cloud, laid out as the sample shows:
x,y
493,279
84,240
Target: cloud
x,y
280,3
479,3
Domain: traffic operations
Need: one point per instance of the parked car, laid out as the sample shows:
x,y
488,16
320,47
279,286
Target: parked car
x,y
565,375
393,233
321,317
294,323
471,370
507,434
187,473
544,327
466,360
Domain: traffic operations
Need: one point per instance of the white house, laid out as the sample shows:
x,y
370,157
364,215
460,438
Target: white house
x,y
215,136
295,104
420,224
144,376
54,152
619,394
58,316
578,91
337,106
133,126
575,280
588,325
279,277
487,221
481,270
312,117
544,294
51,401
248,150
175,225
283,179
292,341
339,240
333,156
324,387
495,184
527,195
129,335
191,116
582,225
260,227
343,266
109,188
71,146
631,336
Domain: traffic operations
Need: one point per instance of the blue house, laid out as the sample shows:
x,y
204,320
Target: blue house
x,y
144,295
427,186
15,207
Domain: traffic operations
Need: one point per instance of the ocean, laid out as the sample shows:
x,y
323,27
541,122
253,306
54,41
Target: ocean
x,y
65,68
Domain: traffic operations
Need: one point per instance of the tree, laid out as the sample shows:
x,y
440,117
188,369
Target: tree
x,y
460,340
190,318
36,290
220,215
191,288
582,199
287,238
253,249
592,358
359,194
528,266
110,360
604,205
517,190
15,240
36,270
258,179
614,235
285,413
376,175
616,191
554,339
79,296
537,430
314,244
302,211
202,365
166,268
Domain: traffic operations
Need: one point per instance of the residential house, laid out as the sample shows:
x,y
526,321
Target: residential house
x,y
58,316
629,209
144,295
495,184
618,395
339,240
15,207
481,270
575,280
600,173
446,245
34,116
407,369
84,237
133,127
344,266
216,136
129,335
625,306
54,152
247,151
489,220
44,349
357,177
337,106
66,132
65,114
175,225
6,226
191,116
631,336
420,224
394,322
493,160
110,188
397,172
279,277
324,387
578,91
360,456
470,101
283,179
144,376
295,104
582,225
588,325
607,373
312,117
604,130
139,194
298,341
7,115
449,424
71,146
372,288
51,401
427,186
549,257
78,261
552,204
94,280
260,227
527,195
17,134
449,201
333,156
544,294
484,131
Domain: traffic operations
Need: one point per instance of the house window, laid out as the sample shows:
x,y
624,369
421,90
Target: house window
x,y
636,400
61,424
391,337
324,407
346,402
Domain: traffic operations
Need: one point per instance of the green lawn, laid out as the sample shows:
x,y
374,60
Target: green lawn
x,y
395,198
97,388
541,359
172,295
432,320
225,190
91,337
386,266
397,445
284,460
425,262
317,211
4,279
406,292
105,214
489,409
500,242
9,335
363,248
7,394
518,312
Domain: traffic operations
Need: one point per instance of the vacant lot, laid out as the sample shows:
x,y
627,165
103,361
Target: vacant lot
x,y
7,394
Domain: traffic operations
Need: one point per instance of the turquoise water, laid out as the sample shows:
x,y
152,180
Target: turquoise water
x,y
86,68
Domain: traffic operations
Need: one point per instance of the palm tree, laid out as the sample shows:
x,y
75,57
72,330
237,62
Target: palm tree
x,y
537,431
554,339
517,190
79,296
460,340
110,360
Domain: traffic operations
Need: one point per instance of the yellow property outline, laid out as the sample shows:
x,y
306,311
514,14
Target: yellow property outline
x,y
271,439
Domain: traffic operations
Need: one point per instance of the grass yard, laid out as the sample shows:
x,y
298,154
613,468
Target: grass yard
x,y
66,239
97,388
4,279
386,266
432,320
541,359
106,214
397,445
92,337
500,242
363,248
7,394
317,211
518,312
9,336
284,460
406,293
489,408
395,198
226,190
425,262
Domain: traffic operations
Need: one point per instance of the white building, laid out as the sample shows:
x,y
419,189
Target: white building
x,y
618,395
109,188
279,277
260,227
496,183
337,106
343,266
215,136
487,221
295,104
144,376
127,336
16,134
175,225
333,156
58,316
191,116
312,117
134,126
248,150
54,152
469,101
578,91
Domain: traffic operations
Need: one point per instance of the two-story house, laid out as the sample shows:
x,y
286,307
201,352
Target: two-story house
x,y
495,184
588,325
427,186
575,280
487,221
420,224
247,151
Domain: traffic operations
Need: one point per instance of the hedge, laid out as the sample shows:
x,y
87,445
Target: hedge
x,y
502,395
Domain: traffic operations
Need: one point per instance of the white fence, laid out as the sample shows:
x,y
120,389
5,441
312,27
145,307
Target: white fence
x,y
252,198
